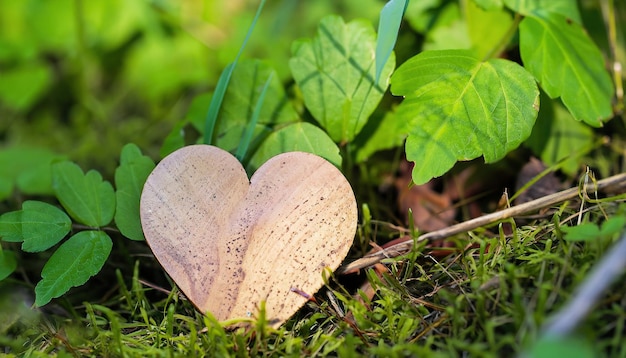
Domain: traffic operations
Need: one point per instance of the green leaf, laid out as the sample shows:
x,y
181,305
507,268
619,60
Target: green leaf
x,y
390,133
43,226
72,264
8,263
302,137
11,226
336,73
242,96
568,346
86,197
567,8
388,27
130,177
613,226
557,136
174,140
593,232
460,108
582,232
567,64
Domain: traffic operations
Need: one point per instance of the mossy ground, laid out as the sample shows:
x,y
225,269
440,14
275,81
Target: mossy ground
x,y
490,297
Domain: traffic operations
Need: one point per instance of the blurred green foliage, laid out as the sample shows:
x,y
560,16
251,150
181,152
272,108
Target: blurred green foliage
x,y
86,77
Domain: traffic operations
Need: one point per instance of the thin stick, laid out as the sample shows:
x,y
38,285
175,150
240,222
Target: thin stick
x,y
612,184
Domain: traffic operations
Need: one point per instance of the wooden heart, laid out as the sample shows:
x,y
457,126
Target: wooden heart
x,y
230,243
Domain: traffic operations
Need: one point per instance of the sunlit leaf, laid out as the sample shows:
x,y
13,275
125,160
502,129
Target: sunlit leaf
x,y
239,103
43,225
388,27
302,137
130,177
86,197
460,108
567,64
72,264
336,73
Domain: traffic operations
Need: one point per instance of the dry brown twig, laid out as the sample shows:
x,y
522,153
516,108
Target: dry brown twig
x,y
614,184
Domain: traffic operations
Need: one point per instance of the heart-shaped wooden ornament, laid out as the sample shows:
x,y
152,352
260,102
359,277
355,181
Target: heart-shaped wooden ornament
x,y
230,243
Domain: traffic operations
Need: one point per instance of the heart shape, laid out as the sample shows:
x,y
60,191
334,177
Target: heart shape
x,y
230,243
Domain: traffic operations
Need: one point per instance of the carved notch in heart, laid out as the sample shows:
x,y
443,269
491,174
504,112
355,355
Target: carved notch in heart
x,y
230,243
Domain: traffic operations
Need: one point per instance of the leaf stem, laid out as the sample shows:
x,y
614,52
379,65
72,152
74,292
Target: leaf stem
x,y
506,39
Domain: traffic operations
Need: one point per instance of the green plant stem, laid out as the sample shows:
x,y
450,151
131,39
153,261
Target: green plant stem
x,y
505,40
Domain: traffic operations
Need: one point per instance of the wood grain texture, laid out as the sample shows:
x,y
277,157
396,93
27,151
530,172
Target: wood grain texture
x,y
230,243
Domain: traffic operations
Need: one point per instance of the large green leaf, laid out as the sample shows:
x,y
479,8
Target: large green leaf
x,y
130,177
460,108
566,63
43,226
241,98
302,137
72,264
86,197
336,73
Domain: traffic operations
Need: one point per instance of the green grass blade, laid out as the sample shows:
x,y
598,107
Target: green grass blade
x,y
388,26
247,136
222,84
